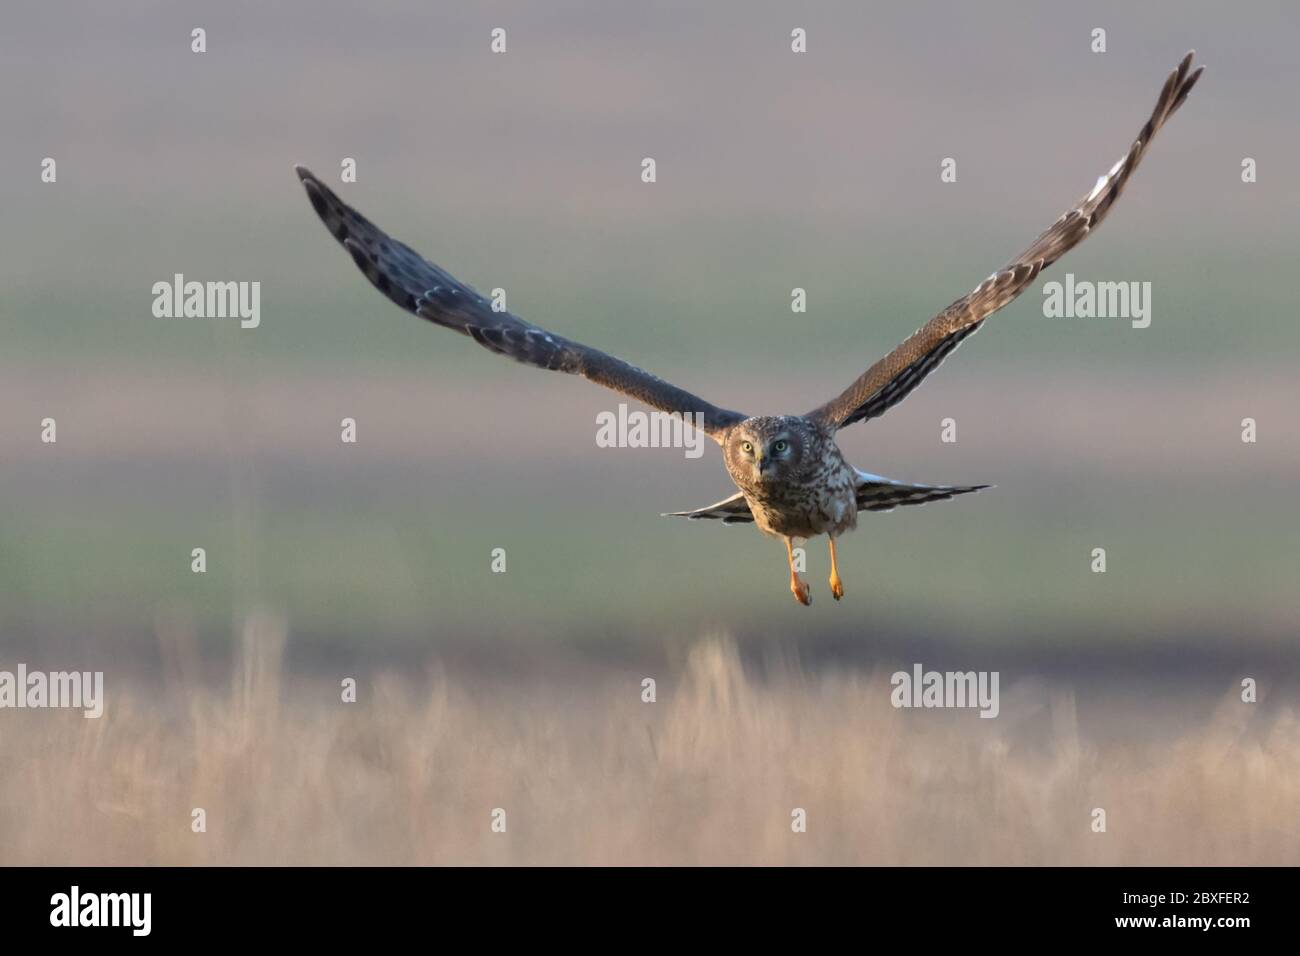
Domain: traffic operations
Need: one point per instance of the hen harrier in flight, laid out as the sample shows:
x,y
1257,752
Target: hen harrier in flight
x,y
794,482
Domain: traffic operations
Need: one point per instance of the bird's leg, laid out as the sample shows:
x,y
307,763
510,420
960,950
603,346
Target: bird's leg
x,y
799,588
837,586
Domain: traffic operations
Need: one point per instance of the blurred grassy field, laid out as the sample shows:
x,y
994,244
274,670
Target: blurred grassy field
x,y
589,774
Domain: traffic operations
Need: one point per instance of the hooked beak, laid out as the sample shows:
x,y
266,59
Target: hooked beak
x,y
760,463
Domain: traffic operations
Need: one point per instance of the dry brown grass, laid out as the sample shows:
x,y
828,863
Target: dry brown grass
x,y
590,774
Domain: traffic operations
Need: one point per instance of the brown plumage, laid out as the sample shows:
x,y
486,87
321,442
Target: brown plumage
x,y
890,380
419,286
793,481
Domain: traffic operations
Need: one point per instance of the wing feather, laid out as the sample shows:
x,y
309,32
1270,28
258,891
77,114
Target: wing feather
x,y
420,287
892,378
876,493
733,510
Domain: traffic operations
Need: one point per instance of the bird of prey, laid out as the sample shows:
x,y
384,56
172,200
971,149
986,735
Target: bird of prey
x,y
793,482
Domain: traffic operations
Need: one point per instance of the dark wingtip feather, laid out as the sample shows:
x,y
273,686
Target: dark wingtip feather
x,y
1187,87
318,200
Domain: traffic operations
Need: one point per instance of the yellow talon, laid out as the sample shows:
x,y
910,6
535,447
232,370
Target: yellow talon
x,y
799,588
837,586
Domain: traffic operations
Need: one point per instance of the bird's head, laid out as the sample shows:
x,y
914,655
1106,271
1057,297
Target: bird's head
x,y
766,449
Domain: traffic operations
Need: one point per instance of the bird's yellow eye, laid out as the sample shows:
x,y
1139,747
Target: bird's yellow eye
x,y
781,446
747,447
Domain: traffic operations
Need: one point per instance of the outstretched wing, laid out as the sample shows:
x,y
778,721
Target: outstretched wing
x,y
884,494
733,510
890,380
874,493
419,286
